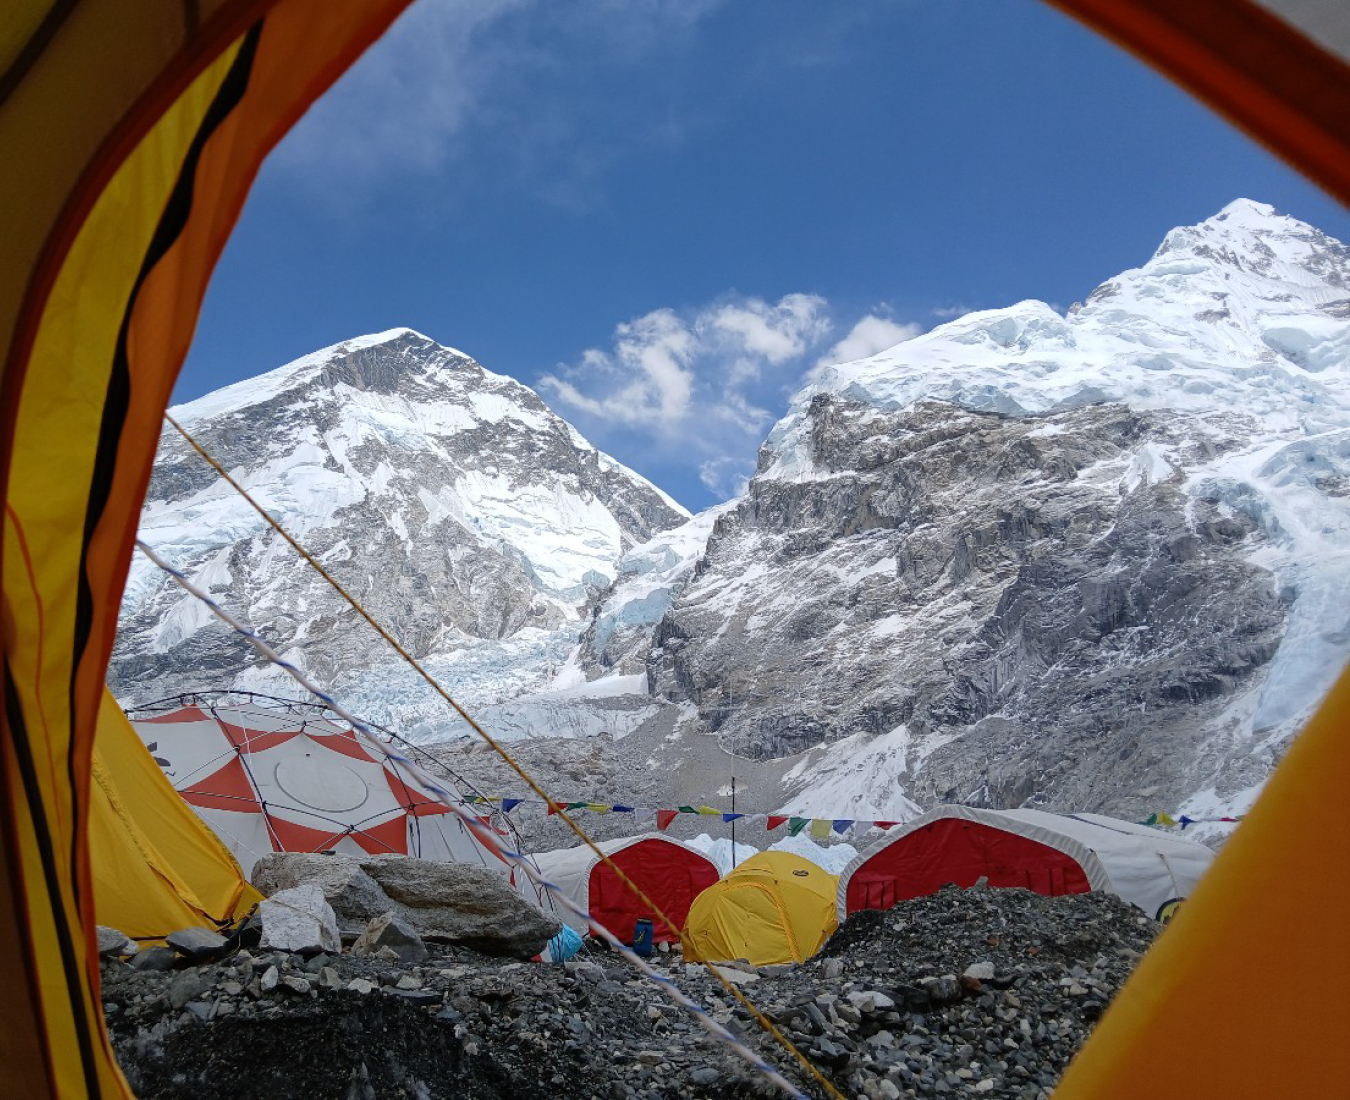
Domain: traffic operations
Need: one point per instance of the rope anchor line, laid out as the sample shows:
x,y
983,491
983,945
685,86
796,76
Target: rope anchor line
x,y
760,1019
486,836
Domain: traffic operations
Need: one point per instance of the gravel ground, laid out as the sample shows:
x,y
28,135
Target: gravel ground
x,y
976,992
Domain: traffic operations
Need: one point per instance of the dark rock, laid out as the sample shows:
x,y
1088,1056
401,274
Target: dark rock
x,y
155,958
389,930
187,986
423,998
198,945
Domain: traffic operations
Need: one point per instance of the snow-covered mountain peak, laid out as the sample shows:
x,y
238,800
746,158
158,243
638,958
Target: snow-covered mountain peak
x,y
453,499
1247,312
1255,238
390,361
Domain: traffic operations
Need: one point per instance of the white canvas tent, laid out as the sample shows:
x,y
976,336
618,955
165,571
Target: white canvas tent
x,y
1047,852
670,873
272,776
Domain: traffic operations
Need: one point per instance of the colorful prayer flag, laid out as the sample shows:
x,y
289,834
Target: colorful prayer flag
x,y
1165,818
708,811
509,804
664,818
687,810
773,821
820,827
621,809
731,817
797,824
597,807
842,825
885,824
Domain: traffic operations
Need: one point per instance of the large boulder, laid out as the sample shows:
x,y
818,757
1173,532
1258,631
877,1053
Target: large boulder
x,y
356,898
299,919
449,902
459,903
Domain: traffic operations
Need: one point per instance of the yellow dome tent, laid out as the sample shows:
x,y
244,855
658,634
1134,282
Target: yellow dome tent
x,y
773,908
130,134
156,865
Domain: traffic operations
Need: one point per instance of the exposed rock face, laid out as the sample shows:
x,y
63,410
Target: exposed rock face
x,y
987,584
466,517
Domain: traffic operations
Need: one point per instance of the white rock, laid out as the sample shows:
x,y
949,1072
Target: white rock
x,y
299,919
269,979
980,971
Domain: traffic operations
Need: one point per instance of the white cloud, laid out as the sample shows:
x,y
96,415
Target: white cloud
x,y
946,313
703,386
777,333
454,76
868,336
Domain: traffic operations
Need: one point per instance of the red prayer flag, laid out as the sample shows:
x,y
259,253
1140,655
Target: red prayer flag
x,y
774,821
665,817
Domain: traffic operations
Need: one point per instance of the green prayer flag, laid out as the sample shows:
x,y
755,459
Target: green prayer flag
x,y
797,824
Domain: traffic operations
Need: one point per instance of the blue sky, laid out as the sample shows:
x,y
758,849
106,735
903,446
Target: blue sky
x,y
663,213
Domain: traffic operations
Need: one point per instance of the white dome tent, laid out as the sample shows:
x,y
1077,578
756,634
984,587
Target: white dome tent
x,y
273,775
1050,853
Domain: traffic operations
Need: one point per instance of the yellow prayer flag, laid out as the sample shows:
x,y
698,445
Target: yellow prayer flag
x,y
820,827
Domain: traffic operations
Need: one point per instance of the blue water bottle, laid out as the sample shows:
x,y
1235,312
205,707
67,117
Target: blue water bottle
x,y
642,938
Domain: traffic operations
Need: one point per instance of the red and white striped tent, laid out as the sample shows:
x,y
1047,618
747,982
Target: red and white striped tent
x,y
272,776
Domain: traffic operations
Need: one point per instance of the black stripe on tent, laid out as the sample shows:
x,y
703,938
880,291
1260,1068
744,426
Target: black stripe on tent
x,y
35,47
118,399
70,962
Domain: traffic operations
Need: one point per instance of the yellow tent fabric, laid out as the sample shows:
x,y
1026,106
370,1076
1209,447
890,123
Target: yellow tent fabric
x,y
773,908
156,865
130,133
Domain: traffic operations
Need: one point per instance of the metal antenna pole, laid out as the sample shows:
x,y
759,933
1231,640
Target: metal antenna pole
x,y
731,716
733,823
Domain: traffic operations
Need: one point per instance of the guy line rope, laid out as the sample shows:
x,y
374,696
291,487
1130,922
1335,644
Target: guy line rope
x,y
698,1011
